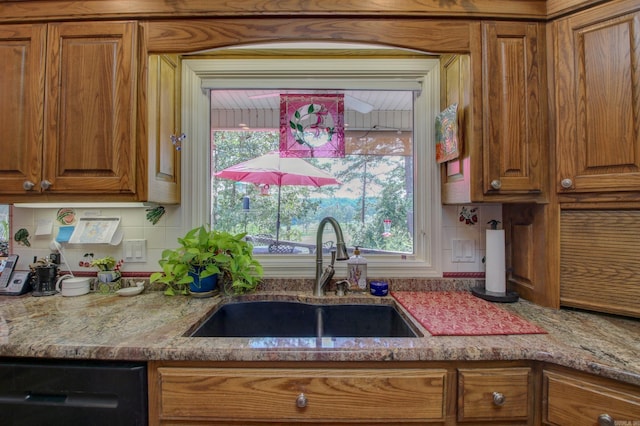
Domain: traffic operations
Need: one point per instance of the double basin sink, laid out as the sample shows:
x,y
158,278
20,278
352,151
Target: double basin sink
x,y
297,319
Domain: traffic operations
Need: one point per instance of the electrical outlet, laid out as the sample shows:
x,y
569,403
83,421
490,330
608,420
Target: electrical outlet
x,y
135,251
463,251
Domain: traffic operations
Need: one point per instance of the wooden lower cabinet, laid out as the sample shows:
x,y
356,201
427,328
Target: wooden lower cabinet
x,y
490,394
295,395
576,399
388,393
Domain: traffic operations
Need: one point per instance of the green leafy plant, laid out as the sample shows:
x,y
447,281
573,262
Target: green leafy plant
x,y
205,252
106,263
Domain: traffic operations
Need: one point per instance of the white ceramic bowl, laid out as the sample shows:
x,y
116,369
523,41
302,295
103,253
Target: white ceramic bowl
x,y
75,286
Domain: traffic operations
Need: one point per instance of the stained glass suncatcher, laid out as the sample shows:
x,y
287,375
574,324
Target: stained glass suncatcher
x,y
312,125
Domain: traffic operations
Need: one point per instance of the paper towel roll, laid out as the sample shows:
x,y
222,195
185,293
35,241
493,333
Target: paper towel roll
x,y
495,275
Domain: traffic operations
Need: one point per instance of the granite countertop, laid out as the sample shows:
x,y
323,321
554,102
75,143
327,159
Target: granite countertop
x,y
151,326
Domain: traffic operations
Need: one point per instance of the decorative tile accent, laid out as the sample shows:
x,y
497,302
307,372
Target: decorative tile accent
x,y
469,215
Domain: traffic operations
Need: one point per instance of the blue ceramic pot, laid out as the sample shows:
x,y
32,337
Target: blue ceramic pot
x,y
203,285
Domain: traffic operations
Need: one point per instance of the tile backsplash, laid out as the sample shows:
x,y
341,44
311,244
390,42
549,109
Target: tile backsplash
x,y
463,233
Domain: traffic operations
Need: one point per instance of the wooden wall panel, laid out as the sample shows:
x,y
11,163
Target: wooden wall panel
x,y
599,268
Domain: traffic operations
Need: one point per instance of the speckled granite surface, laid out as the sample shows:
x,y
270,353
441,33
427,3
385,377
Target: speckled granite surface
x,y
152,326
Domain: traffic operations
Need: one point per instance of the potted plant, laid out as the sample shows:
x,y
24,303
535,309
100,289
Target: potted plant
x,y
108,274
107,263
204,253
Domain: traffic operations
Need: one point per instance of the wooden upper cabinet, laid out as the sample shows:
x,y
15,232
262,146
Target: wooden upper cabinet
x,y
502,120
22,67
513,107
163,171
597,100
90,108
455,73
69,109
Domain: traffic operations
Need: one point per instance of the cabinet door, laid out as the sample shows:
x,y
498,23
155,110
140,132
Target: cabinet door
x,y
246,395
164,159
22,54
90,116
514,156
492,394
597,66
569,400
455,71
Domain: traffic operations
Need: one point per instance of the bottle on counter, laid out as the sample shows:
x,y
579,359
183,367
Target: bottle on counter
x,y
357,272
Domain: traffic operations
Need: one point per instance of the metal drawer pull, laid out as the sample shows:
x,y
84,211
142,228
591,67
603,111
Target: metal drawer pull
x,y
496,184
498,399
27,185
566,183
301,401
45,184
605,420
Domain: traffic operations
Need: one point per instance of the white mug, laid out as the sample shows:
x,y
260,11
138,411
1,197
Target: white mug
x,y
68,285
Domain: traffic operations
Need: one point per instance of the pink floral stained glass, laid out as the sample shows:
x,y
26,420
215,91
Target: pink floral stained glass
x,y
312,125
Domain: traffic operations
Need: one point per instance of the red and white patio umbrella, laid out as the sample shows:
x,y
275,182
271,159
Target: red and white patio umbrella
x,y
271,169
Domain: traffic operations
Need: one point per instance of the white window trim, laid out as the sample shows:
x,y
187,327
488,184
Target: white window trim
x,y
199,75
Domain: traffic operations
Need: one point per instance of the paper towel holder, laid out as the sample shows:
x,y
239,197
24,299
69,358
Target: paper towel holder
x,y
481,291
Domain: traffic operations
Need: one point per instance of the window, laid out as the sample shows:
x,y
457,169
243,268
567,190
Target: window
x,y
4,230
415,78
368,187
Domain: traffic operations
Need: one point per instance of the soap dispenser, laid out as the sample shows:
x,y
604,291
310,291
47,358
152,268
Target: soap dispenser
x,y
357,269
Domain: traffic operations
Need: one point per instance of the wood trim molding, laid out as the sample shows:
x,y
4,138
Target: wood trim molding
x,y
47,10
439,36
55,10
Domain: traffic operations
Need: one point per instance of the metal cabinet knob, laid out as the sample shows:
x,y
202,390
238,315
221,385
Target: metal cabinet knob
x,y
27,185
498,399
496,184
605,420
566,183
301,401
45,184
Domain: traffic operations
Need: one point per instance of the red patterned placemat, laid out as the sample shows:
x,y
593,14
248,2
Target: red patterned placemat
x,y
458,313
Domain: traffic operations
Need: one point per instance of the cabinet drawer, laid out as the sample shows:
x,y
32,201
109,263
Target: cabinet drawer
x,y
573,401
216,394
494,393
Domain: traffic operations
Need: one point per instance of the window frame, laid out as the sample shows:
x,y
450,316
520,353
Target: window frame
x,y
201,75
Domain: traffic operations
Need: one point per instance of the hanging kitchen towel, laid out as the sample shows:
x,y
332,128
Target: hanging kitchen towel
x,y
459,313
447,142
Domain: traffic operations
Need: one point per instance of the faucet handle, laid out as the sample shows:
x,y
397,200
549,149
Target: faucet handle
x,y
326,276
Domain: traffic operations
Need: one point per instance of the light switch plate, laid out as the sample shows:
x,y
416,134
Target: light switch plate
x,y
463,251
134,251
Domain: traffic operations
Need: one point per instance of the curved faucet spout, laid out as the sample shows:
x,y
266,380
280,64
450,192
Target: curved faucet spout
x,y
341,254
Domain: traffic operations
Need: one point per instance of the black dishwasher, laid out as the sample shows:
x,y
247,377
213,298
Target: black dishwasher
x,y
63,392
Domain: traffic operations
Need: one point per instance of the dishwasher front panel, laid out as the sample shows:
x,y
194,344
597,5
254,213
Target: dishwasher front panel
x,y
58,393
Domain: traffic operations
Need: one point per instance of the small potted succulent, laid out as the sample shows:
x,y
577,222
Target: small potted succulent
x,y
206,259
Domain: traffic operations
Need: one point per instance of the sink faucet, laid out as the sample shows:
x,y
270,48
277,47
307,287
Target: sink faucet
x,y
323,278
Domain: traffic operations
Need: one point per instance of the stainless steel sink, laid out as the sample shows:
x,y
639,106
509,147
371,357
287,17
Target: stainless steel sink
x,y
295,319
